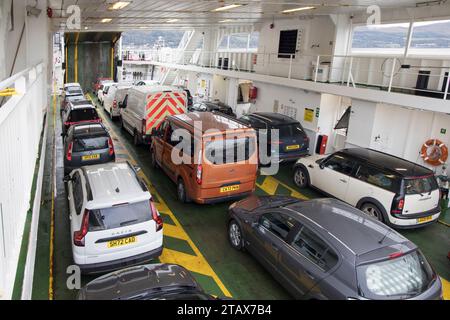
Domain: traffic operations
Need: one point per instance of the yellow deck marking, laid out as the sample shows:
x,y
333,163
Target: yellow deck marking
x,y
173,231
52,212
270,185
196,263
445,289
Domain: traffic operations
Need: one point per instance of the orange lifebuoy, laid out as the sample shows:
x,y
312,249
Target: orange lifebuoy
x,y
434,152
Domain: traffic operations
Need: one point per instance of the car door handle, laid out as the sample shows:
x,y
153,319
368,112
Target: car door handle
x,y
70,217
343,180
274,247
311,166
310,275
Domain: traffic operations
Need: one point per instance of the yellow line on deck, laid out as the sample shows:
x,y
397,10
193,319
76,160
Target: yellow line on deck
x,y
52,212
445,289
270,185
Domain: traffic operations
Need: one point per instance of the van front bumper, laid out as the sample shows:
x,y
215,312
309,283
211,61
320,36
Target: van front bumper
x,y
104,267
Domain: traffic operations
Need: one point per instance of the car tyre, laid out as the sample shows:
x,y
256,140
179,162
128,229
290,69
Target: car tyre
x,y
136,141
301,177
372,210
235,235
181,192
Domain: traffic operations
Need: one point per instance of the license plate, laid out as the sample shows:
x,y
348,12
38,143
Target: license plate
x,y
229,188
90,157
121,242
293,147
424,219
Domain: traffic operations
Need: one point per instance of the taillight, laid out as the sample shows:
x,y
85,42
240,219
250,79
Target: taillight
x,y
114,104
78,236
143,126
397,204
156,216
110,146
198,177
69,152
395,255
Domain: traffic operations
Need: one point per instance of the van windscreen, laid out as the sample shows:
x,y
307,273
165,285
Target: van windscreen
x,y
420,185
120,216
219,151
83,115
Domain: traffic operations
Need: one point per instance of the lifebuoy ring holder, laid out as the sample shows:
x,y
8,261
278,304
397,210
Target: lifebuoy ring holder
x,y
439,148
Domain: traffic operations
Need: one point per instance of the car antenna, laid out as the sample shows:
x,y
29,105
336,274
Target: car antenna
x,y
384,237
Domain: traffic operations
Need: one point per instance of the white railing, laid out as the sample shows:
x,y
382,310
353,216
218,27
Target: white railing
x,y
21,122
375,72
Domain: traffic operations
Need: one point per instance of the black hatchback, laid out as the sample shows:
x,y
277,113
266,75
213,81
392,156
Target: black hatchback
x,y
212,107
87,144
292,142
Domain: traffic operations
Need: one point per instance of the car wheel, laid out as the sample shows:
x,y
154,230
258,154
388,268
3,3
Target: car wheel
x,y
136,138
181,192
301,178
372,211
235,235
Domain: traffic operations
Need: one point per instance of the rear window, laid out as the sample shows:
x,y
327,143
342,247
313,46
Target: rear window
x,y
90,143
420,185
119,216
289,130
221,151
400,278
83,115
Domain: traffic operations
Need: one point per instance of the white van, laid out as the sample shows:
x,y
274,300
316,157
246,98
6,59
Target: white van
x,y
115,94
113,220
145,107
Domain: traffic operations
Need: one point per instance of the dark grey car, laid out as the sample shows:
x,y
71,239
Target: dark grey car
x,y
326,249
87,144
147,282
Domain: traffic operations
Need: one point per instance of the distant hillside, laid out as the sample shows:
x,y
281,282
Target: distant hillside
x,y
149,38
427,36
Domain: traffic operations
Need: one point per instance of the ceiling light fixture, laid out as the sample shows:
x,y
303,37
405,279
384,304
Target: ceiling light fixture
x,y
228,7
106,20
172,20
297,9
226,20
119,5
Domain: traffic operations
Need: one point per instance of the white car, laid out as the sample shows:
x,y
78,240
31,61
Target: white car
x,y
103,90
395,191
113,220
147,83
115,94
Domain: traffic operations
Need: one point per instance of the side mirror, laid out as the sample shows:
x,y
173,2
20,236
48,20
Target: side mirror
x,y
67,178
63,134
321,165
255,225
120,105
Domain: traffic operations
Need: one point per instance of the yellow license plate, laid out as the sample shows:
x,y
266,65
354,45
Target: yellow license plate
x,y
121,242
90,157
229,188
293,147
424,219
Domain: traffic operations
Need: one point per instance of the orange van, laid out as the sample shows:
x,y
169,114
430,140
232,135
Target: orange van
x,y
216,158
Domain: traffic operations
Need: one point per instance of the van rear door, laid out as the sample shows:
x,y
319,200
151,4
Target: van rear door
x,y
421,194
229,163
160,105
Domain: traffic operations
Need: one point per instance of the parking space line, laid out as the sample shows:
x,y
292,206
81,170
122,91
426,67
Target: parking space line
x,y
196,263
